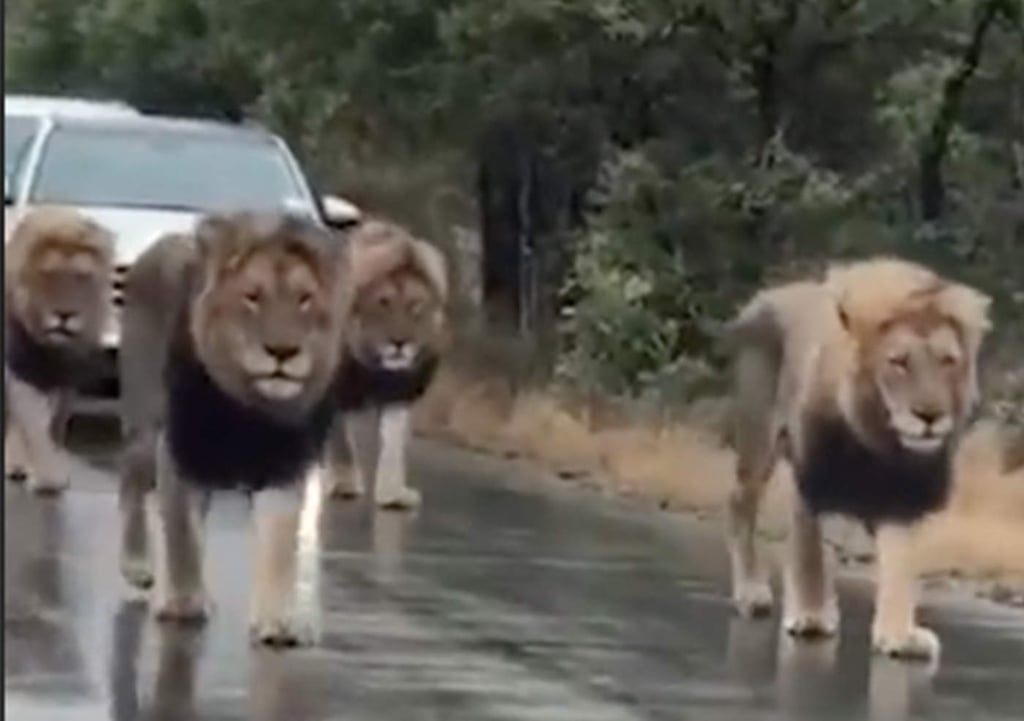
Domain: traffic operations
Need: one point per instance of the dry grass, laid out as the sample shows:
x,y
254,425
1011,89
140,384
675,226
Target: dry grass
x,y
687,467
982,533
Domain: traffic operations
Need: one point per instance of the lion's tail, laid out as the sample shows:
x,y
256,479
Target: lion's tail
x,y
755,341
756,324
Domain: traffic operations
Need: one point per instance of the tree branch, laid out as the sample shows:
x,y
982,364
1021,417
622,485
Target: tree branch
x,y
932,191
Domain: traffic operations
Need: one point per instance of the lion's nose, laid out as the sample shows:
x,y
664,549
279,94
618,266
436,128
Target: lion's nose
x,y
282,352
928,416
64,317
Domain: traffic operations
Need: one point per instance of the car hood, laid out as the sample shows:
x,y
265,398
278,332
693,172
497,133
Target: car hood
x,y
135,229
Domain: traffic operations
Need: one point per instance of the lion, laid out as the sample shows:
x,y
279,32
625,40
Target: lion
x,y
230,352
864,382
58,277
397,336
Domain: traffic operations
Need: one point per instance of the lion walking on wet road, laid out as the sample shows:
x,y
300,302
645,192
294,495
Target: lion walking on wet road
x,y
229,361
864,382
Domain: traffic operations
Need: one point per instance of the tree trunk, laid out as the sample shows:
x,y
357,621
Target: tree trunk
x,y
932,191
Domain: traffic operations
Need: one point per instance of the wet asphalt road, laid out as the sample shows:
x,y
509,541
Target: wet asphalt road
x,y
501,599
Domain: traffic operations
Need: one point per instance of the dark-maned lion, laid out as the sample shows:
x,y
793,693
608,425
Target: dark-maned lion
x,y
57,302
397,333
864,383
230,349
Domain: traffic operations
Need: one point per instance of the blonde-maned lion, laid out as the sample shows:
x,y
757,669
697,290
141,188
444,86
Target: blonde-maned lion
x,y
57,303
229,355
864,382
397,334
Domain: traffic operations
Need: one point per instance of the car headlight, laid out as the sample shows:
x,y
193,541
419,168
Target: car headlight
x,y
112,333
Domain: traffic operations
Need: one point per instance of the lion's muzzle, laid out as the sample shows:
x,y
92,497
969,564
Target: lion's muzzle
x,y
397,356
923,430
278,371
62,326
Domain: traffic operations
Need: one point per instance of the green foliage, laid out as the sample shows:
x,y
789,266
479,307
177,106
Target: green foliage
x,y
664,158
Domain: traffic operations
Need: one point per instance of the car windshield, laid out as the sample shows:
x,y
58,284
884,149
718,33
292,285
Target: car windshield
x,y
18,133
158,168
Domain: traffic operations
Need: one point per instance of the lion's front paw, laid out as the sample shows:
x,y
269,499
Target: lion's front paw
x,y
280,632
343,492
136,571
812,623
344,484
191,609
15,472
405,499
919,643
753,599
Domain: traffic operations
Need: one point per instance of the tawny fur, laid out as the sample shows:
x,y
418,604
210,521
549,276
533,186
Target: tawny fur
x,y
813,353
58,269
401,291
204,314
381,248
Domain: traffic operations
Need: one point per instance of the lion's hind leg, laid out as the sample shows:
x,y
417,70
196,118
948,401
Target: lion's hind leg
x,y
811,608
272,616
895,631
756,440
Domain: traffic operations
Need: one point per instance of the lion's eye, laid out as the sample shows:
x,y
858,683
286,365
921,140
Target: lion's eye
x,y
252,299
948,361
384,301
305,301
899,361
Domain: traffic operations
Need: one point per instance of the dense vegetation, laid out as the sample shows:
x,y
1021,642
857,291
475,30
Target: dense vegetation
x,y
636,166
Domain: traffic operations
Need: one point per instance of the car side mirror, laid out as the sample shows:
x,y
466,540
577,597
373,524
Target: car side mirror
x,y
339,213
8,191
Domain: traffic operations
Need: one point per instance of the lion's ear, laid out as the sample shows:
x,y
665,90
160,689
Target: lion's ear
x,y
968,307
844,316
102,239
969,310
215,238
432,263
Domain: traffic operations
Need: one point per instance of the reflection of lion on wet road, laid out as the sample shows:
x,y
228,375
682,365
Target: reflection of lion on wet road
x,y
230,351
864,383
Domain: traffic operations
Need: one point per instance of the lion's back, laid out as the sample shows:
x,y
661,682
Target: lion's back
x,y
154,290
773,340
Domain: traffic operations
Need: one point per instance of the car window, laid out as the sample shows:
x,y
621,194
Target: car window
x,y
19,130
163,169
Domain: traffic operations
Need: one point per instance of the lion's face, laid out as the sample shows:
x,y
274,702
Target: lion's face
x,y
919,372
268,319
61,285
397,320
401,287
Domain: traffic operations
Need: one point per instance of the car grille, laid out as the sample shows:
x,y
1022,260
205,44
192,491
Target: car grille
x,y
120,272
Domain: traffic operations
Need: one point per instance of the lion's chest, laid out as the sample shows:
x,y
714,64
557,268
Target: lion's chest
x,y
218,443
360,386
45,368
840,474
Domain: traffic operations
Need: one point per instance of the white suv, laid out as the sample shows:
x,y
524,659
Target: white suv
x,y
143,176
24,117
